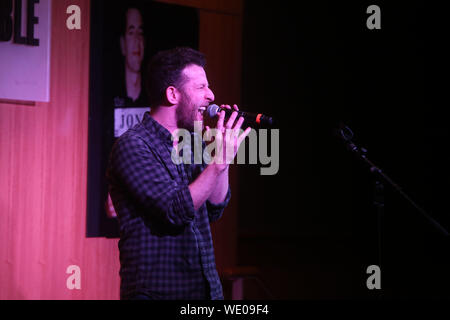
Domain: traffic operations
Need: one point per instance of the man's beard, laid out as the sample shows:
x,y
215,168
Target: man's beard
x,y
186,114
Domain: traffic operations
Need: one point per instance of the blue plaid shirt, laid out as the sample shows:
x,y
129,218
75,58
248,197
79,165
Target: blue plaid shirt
x,y
166,249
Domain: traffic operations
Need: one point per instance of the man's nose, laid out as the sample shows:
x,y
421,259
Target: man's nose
x,y
137,39
209,95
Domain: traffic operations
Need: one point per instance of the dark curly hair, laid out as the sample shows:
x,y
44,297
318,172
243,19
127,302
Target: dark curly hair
x,y
165,70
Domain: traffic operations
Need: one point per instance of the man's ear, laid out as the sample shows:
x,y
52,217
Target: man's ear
x,y
122,45
173,95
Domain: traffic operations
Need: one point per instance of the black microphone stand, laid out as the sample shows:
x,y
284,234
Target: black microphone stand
x,y
346,134
380,180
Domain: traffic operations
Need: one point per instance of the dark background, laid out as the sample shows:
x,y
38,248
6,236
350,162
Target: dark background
x,y
312,229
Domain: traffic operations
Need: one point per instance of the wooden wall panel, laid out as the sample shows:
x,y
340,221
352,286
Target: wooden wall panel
x,y
220,40
43,182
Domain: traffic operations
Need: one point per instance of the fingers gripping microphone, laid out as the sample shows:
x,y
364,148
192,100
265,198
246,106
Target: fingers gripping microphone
x,y
251,119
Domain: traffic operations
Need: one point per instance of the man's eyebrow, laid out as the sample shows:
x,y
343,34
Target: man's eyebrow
x,y
133,27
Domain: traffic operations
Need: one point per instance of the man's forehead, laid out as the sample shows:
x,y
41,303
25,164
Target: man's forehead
x,y
134,17
195,72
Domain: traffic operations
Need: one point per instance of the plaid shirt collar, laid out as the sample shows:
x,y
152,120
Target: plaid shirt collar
x,y
155,127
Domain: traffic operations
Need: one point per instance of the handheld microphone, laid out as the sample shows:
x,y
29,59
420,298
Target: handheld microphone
x,y
251,119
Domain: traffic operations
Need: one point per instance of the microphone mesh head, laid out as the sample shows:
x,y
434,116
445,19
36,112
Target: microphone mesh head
x,y
212,110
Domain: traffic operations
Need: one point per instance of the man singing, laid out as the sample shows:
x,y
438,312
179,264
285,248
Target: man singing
x,y
165,209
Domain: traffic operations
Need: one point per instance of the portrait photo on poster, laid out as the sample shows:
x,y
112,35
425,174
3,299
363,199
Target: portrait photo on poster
x,y
123,39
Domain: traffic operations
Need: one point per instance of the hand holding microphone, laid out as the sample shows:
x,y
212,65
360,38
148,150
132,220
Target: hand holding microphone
x,y
228,136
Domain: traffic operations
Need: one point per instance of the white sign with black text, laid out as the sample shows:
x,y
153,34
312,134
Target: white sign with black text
x,y
25,50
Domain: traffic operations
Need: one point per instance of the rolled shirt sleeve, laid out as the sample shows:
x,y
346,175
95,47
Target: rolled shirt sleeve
x,y
215,210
